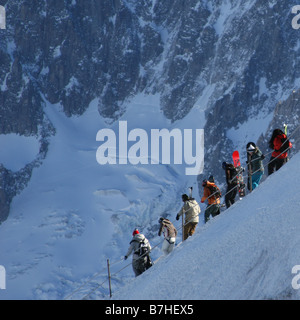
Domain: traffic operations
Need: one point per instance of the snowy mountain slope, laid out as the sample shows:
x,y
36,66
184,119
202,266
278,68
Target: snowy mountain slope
x,y
247,252
207,63
234,59
75,213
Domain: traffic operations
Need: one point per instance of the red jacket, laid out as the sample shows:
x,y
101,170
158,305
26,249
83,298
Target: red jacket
x,y
278,142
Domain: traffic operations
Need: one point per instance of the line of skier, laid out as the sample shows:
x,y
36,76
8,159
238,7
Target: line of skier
x,y
280,145
140,246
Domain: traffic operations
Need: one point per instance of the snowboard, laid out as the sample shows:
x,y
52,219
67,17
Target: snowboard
x,y
237,165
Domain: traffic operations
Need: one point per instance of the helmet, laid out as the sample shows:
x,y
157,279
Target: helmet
x,y
251,147
135,231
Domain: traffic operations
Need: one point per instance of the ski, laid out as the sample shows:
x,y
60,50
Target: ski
x,y
191,192
285,128
237,165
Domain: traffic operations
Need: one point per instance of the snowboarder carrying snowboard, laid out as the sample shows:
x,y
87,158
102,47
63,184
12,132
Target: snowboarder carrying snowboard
x,y
239,173
140,247
232,183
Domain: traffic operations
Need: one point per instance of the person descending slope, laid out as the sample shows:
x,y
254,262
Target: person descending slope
x,y
255,165
281,145
191,209
213,194
140,246
170,234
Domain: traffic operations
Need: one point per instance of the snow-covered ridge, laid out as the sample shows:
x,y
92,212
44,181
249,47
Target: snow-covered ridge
x,y
248,252
75,214
221,65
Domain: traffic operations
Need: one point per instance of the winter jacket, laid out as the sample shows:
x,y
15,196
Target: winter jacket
x,y
231,175
207,194
256,161
277,143
191,209
135,244
168,229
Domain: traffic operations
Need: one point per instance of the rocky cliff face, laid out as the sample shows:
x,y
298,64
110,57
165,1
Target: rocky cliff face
x,y
234,58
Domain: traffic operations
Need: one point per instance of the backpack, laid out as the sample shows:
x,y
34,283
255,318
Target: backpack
x,y
214,192
143,249
285,144
233,173
172,232
144,253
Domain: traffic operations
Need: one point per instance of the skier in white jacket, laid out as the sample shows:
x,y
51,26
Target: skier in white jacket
x,y
191,209
140,247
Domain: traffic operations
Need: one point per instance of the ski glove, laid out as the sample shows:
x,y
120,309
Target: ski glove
x,y
125,258
177,217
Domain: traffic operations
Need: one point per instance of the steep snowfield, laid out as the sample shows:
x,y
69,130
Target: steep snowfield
x,y
75,213
247,252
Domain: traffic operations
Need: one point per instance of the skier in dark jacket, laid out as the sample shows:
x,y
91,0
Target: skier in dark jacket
x,y
232,183
281,145
255,164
